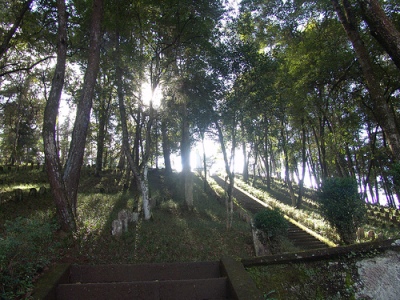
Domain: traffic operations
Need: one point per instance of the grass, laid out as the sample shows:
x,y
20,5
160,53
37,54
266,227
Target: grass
x,y
30,237
313,280
172,234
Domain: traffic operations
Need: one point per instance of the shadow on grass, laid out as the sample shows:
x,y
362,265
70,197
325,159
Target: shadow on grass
x,y
173,234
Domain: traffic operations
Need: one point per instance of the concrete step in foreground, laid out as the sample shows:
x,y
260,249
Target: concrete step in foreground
x,y
144,272
224,279
214,288
145,281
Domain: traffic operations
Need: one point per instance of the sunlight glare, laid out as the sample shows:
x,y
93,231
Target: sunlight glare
x,y
149,96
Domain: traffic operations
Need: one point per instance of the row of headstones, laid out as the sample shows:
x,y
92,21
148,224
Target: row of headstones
x,y
381,209
30,166
125,216
18,194
384,215
38,166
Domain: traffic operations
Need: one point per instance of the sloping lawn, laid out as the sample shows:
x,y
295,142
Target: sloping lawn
x,y
30,239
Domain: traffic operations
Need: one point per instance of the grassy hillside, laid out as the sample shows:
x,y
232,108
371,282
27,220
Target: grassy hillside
x,y
31,239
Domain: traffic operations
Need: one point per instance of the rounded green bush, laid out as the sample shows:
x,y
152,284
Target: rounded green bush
x,y
342,206
271,222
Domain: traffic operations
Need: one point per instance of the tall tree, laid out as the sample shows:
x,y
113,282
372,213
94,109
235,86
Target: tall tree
x,y
380,106
53,166
64,184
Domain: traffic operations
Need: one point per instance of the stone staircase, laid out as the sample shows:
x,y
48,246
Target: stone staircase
x,y
225,279
303,240
299,237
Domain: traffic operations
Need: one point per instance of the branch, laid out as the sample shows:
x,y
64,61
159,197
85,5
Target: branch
x,y
26,68
13,29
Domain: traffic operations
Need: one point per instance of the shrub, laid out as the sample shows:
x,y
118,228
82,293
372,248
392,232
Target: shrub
x,y
342,206
271,222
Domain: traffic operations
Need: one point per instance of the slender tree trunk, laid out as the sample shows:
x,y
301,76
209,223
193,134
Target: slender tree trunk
x,y
204,160
231,177
144,184
79,133
138,138
140,177
100,144
372,143
166,146
255,164
287,171
102,131
320,141
245,163
312,164
146,156
185,155
304,166
266,153
53,166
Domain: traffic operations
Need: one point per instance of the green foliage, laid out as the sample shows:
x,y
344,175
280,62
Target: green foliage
x,y
342,206
24,251
271,222
394,176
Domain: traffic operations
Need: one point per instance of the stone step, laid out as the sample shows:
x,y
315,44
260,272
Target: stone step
x,y
309,246
302,239
196,289
295,233
224,279
143,272
302,235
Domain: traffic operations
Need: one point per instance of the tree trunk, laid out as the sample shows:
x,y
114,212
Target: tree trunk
x,y
100,144
231,177
79,133
255,164
141,181
185,158
266,153
287,171
166,146
381,28
103,124
204,160
303,168
138,138
380,107
245,163
144,184
313,165
52,159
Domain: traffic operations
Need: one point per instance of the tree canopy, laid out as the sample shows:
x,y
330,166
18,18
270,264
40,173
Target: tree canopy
x,y
306,90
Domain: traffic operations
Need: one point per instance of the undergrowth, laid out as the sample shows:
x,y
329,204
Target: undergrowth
x,y
26,248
